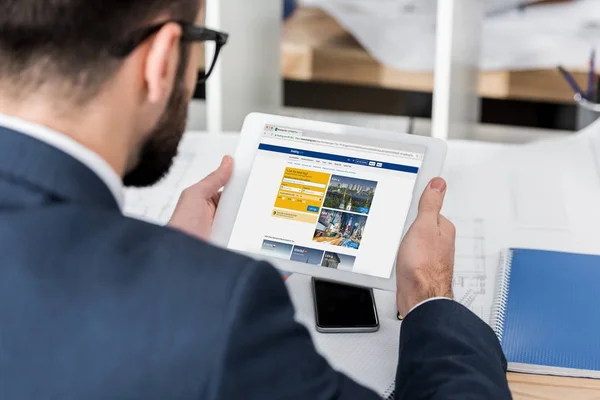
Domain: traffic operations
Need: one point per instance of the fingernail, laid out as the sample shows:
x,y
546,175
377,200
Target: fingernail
x,y
438,184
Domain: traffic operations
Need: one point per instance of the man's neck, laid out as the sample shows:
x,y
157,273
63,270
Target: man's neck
x,y
92,127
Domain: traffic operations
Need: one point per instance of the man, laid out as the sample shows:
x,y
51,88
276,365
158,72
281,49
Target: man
x,y
94,305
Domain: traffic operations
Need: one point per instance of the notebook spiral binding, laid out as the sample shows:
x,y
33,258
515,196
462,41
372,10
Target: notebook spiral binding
x,y
501,294
390,393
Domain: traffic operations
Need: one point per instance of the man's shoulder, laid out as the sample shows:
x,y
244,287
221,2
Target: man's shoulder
x,y
144,260
158,259
165,245
126,244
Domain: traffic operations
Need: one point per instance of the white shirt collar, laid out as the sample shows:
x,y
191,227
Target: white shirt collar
x,y
72,148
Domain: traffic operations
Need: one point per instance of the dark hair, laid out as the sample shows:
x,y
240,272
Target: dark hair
x,y
71,39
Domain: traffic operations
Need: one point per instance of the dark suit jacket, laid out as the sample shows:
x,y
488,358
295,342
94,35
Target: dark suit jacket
x,y
94,305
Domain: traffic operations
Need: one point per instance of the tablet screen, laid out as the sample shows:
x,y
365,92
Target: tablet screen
x,y
331,201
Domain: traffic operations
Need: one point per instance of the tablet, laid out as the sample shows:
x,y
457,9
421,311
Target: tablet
x,y
323,199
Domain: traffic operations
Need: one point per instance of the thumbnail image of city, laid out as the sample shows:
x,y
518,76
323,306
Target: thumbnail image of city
x,y
339,228
343,262
276,249
306,255
350,194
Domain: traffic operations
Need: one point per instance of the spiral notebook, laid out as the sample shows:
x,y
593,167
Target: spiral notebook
x,y
546,312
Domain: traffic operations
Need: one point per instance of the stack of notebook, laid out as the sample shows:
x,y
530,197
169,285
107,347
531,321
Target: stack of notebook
x,y
547,312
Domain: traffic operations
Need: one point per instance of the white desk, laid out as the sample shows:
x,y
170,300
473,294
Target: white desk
x,y
480,186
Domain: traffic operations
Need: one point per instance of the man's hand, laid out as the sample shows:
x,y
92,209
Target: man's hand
x,y
197,205
426,258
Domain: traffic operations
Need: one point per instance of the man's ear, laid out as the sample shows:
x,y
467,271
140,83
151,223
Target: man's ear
x,y
162,61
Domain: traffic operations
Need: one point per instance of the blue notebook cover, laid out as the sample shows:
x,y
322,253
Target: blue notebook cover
x,y
547,312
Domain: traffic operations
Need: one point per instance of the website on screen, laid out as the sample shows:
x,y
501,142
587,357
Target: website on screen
x,y
327,203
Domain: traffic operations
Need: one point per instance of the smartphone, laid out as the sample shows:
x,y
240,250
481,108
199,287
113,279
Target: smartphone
x,y
341,308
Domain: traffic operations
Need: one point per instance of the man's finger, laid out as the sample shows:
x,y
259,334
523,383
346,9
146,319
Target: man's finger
x,y
447,227
210,185
432,199
217,198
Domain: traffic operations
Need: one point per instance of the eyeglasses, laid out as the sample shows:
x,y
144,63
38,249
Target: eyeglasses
x,y
191,33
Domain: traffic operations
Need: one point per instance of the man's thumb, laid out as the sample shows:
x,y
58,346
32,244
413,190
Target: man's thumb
x,y
218,178
432,199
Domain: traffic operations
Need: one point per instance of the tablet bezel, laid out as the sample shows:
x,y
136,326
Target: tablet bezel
x,y
250,138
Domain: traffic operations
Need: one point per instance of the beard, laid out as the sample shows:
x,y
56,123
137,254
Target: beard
x,y
160,149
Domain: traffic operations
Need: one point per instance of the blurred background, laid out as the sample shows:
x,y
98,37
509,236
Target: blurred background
x,y
374,62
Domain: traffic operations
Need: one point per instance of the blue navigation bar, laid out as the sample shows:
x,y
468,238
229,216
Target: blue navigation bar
x,y
338,158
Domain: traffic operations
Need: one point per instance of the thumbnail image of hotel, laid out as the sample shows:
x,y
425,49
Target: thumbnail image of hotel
x,y
276,249
306,255
339,261
350,194
340,229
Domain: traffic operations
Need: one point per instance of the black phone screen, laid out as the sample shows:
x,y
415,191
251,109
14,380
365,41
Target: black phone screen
x,y
343,306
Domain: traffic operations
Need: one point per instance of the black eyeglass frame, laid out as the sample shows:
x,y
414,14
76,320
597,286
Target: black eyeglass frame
x,y
190,33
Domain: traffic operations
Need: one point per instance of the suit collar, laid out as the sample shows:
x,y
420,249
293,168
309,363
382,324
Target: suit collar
x,y
72,148
36,164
